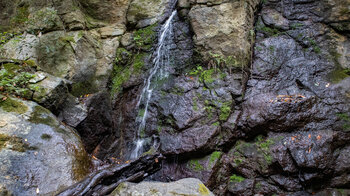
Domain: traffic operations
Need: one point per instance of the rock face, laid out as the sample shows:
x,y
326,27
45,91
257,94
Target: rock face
x,y
255,102
186,187
38,154
144,13
229,33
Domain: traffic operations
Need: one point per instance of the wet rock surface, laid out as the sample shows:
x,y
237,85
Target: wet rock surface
x,y
38,154
98,123
284,136
256,101
104,181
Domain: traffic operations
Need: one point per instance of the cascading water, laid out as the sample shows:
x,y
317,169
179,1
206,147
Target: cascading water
x,y
158,72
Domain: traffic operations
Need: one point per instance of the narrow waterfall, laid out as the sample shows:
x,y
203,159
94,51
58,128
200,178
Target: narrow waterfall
x,y
158,72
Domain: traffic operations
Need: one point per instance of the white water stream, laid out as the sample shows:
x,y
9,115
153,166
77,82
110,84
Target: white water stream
x,y
160,62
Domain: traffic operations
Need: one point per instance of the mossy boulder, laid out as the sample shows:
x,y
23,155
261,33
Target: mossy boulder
x,y
34,143
44,20
79,57
185,187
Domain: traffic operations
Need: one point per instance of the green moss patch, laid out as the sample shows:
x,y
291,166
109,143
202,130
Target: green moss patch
x,y
45,136
236,179
225,111
82,164
145,37
11,105
123,56
126,65
15,77
338,75
269,31
5,37
11,67
121,75
21,16
41,115
195,165
15,143
214,157
264,147
216,124
139,62
205,76
345,118
84,88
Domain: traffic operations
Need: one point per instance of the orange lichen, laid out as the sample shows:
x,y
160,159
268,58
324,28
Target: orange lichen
x,y
287,98
318,137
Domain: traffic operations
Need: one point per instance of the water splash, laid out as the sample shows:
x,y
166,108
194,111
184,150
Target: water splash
x,y
159,71
139,144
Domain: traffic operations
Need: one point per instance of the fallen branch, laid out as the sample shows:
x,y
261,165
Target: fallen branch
x,y
104,181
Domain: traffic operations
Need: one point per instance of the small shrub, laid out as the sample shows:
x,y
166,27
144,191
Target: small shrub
x,y
14,79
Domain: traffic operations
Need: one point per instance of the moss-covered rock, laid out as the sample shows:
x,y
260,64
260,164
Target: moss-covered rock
x,y
35,141
145,37
127,65
185,187
12,105
44,20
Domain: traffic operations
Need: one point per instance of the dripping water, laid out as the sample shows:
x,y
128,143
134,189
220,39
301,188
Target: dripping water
x,y
160,62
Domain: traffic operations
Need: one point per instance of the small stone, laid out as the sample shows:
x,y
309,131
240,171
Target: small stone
x,y
39,76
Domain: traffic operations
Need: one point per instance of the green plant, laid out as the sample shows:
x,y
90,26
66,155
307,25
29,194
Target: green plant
x,y
296,25
120,75
125,65
219,60
269,31
237,179
195,104
14,79
264,147
21,16
314,45
214,157
143,38
194,164
205,76
216,124
225,111
346,118
196,71
6,36
141,112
